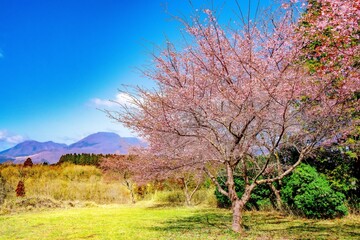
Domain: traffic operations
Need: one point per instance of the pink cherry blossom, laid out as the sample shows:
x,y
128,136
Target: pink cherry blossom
x,y
235,94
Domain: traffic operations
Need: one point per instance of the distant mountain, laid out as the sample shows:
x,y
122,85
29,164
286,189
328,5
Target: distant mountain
x,y
98,140
102,142
31,147
6,159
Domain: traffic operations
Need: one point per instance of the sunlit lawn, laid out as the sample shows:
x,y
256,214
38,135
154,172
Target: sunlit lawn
x,y
141,222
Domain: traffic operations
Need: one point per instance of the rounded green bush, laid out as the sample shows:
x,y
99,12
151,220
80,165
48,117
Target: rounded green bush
x,y
309,193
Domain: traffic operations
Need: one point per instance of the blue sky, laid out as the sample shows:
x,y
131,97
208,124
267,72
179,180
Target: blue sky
x,y
62,60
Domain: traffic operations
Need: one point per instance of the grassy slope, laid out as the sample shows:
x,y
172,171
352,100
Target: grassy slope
x,y
129,222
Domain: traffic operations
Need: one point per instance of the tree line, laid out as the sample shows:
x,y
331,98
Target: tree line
x,y
83,158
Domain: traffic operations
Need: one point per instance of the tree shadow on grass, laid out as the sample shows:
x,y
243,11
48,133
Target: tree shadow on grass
x,y
164,205
328,232
200,221
275,224
261,225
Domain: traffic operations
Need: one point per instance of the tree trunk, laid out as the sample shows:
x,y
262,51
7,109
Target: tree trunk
x,y
132,196
186,192
237,211
238,208
129,186
276,192
187,200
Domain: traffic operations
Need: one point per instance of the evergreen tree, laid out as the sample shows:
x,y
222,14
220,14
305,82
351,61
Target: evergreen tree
x,y
28,163
20,189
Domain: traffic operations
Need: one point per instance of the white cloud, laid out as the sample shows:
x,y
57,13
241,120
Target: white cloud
x,y
120,98
8,139
102,102
5,136
15,139
123,98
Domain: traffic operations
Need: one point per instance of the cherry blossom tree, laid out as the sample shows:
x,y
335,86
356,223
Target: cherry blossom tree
x,y
142,167
123,165
232,95
330,29
152,167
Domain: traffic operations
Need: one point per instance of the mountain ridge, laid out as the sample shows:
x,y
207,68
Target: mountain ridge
x,y
49,151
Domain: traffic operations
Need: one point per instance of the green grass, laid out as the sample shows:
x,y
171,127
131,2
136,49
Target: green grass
x,y
142,222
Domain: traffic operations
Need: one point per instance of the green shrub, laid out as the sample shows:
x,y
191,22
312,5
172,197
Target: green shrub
x,y
341,167
310,194
260,197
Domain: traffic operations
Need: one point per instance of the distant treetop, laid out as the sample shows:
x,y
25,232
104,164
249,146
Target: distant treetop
x,y
28,163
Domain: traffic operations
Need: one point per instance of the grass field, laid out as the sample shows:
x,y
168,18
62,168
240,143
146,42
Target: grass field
x,y
149,222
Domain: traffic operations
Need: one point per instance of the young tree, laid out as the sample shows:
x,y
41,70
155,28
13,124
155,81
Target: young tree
x,y
142,168
20,189
150,168
233,94
123,165
28,163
